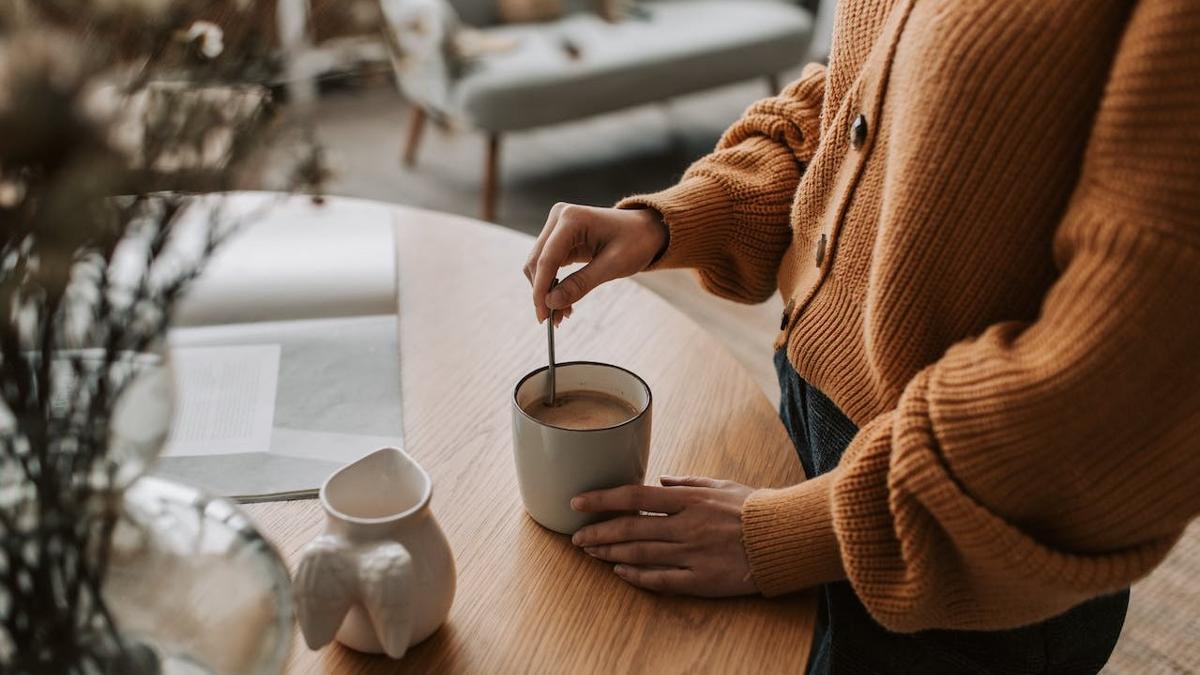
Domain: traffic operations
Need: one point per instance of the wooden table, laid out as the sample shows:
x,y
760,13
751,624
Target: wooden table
x,y
527,600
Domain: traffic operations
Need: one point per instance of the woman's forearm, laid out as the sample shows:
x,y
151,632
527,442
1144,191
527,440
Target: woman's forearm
x,y
730,215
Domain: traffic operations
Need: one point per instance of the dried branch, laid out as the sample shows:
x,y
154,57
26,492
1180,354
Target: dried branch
x,y
114,116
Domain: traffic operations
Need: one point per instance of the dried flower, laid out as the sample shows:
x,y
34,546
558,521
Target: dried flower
x,y
114,114
208,37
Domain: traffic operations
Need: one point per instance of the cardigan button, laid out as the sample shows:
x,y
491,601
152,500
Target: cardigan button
x,y
787,314
858,131
821,250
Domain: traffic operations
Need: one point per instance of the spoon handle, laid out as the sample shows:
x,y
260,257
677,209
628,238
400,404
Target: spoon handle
x,y
550,384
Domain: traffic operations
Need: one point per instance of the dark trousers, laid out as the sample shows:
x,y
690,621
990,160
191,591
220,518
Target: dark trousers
x,y
848,640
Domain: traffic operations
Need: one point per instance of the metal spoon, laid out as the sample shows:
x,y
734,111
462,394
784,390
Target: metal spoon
x,y
550,349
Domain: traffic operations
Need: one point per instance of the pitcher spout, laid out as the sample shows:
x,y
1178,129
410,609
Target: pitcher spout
x,y
384,488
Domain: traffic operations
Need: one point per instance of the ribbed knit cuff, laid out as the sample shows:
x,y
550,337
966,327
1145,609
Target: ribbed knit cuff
x,y
789,537
697,213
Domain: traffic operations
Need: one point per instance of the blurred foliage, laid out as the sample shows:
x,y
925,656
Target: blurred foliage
x,y
115,116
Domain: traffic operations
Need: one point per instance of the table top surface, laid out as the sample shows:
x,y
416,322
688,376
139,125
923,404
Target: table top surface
x,y
527,600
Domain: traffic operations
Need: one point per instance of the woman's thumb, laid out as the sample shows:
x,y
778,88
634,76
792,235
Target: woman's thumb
x,y
575,286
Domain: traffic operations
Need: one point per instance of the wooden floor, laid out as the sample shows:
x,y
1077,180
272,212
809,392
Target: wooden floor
x,y
1162,630
597,162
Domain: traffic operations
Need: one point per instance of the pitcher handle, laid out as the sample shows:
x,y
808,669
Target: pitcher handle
x,y
386,580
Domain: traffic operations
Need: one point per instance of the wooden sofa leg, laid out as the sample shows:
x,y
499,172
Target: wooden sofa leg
x,y
416,127
491,178
773,84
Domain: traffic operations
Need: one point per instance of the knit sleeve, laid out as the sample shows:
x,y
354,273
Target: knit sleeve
x,y
1043,463
729,215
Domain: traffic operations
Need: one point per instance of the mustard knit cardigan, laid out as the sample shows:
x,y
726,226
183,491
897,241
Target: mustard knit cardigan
x,y
985,219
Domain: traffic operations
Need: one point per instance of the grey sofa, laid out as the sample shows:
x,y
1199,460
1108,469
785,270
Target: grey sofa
x,y
580,64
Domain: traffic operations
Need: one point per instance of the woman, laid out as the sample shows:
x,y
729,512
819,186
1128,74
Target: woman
x,y
984,218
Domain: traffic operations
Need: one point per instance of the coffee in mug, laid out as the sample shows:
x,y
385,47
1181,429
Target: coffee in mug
x,y
582,409
596,436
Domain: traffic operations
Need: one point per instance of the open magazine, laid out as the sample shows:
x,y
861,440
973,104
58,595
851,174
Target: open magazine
x,y
267,411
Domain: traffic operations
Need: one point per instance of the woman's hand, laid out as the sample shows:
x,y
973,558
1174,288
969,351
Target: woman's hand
x,y
696,549
614,242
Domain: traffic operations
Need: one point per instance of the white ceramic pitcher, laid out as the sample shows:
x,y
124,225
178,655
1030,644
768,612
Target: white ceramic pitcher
x,y
381,577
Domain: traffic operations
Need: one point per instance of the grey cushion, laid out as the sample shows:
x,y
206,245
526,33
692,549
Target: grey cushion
x,y
684,46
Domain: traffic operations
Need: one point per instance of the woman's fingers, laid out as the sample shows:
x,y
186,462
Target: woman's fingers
x,y
561,315
569,232
551,221
700,545
626,529
613,242
575,286
656,553
631,498
691,481
669,581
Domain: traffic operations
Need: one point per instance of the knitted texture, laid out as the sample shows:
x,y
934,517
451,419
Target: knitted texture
x,y
986,218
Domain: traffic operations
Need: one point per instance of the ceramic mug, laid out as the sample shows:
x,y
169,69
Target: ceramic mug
x,y
554,463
